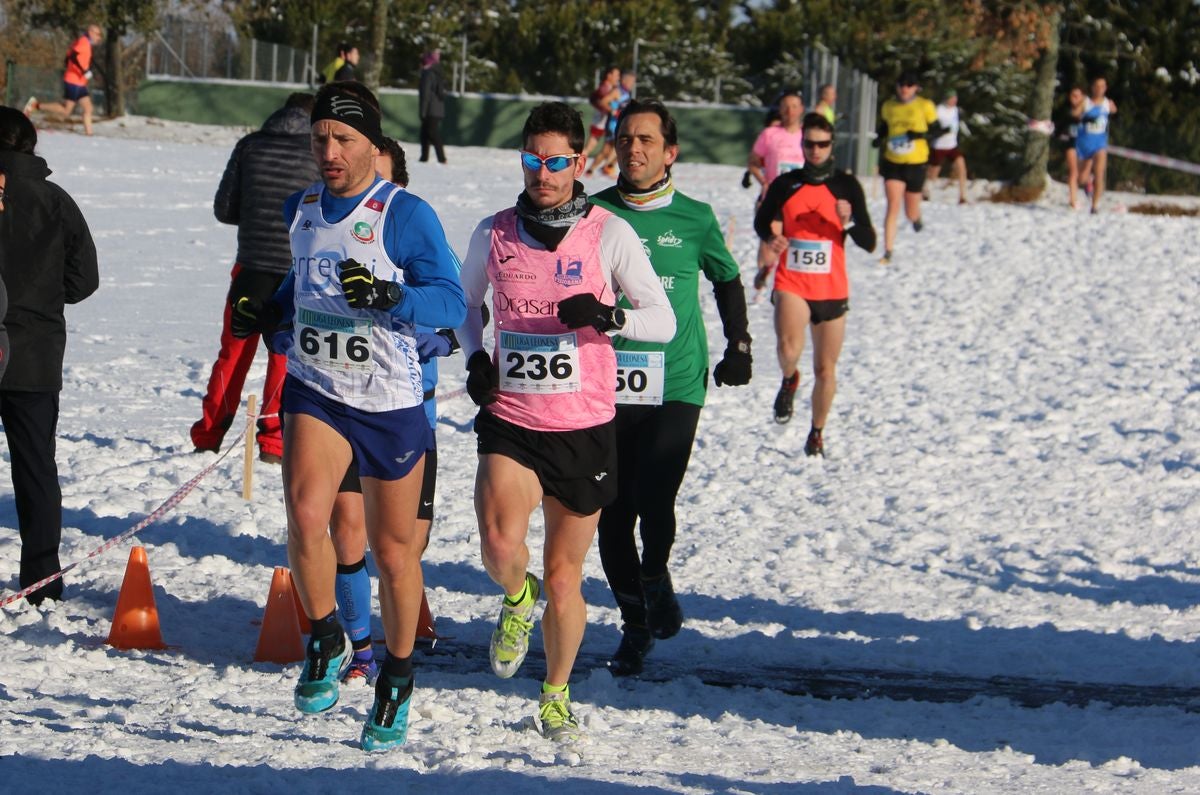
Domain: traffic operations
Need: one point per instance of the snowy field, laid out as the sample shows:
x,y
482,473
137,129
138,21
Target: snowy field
x,y
1011,490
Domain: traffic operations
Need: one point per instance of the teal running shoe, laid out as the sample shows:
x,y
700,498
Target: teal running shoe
x,y
387,725
317,689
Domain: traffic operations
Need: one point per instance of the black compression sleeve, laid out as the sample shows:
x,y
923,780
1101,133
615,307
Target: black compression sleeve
x,y
731,306
845,186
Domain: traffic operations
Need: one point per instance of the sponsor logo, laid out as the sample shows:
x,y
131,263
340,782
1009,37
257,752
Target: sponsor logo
x,y
404,459
426,503
570,275
515,276
645,248
346,106
600,477
669,239
310,198
362,232
306,226
503,302
668,282
506,258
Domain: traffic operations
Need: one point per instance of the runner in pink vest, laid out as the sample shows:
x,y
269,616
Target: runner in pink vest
x,y
546,430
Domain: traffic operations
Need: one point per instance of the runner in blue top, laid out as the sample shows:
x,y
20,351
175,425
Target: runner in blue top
x,y
369,262
1091,140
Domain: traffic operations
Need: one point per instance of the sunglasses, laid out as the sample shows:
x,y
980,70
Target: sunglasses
x,y
818,144
553,164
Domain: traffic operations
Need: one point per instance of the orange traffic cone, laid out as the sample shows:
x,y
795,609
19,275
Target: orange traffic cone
x,y
425,627
279,638
135,621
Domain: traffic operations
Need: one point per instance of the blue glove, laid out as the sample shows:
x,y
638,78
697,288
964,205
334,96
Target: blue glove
x,y
442,343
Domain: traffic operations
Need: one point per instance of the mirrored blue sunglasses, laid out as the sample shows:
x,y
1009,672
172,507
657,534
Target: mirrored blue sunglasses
x,y
553,164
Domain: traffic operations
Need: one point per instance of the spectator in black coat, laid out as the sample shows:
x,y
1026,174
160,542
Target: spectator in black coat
x,y
47,259
265,168
431,93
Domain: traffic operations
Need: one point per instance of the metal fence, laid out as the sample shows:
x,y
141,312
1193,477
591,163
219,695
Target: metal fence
x,y
857,104
206,50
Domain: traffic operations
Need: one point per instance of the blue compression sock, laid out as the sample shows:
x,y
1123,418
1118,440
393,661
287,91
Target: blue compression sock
x,y
353,589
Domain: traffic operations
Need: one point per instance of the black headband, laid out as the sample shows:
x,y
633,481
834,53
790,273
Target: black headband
x,y
351,111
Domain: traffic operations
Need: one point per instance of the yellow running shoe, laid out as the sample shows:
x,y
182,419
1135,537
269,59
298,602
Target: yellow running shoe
x,y
510,640
558,722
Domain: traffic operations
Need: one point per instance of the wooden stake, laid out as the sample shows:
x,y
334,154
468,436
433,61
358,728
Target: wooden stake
x,y
248,460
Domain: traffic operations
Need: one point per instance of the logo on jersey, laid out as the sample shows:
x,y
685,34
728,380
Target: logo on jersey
x,y
404,459
362,232
669,239
645,248
506,258
306,226
310,198
515,276
600,477
503,302
375,204
571,275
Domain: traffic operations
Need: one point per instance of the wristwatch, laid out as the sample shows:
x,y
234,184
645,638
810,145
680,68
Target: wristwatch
x,y
393,293
618,319
741,346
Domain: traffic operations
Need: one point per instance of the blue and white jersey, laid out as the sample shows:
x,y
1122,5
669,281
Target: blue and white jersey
x,y
1092,134
365,358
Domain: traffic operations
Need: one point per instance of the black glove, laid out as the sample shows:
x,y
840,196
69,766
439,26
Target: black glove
x,y
363,290
746,179
483,379
914,135
251,316
585,309
734,368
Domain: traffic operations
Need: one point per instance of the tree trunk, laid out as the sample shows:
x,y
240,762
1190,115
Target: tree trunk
x,y
1033,176
114,73
379,21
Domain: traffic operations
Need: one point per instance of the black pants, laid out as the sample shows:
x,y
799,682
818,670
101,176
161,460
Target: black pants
x,y
430,135
654,445
31,424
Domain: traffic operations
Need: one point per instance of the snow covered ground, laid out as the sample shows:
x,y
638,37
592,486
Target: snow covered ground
x,y
1011,490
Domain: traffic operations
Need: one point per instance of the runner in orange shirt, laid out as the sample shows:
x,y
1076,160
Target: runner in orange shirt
x,y
75,81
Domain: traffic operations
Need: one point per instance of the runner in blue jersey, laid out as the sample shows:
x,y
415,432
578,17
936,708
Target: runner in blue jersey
x,y
1091,139
369,262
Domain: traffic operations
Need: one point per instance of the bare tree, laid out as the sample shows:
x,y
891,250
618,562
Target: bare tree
x,y
379,21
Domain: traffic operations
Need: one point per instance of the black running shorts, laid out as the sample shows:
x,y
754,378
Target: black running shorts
x,y
911,174
578,468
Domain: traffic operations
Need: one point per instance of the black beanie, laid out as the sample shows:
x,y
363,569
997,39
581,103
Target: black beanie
x,y
351,110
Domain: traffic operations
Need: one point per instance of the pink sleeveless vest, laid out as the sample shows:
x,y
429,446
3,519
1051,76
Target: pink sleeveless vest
x,y
551,378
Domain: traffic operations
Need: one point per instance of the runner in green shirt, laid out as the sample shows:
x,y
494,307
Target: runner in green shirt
x,y
661,388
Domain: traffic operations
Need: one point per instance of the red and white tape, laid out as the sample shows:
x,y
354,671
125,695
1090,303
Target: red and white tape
x,y
1172,163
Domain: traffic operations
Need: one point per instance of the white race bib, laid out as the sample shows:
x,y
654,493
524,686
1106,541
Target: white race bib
x,y
900,145
640,377
330,341
539,363
809,256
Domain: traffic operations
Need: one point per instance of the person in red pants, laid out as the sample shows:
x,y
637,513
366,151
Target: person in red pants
x,y
265,168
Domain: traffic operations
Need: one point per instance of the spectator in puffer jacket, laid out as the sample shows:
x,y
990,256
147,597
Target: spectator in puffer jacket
x,y
265,168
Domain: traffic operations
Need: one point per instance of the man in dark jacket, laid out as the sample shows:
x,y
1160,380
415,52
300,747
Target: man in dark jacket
x,y
47,259
431,93
265,168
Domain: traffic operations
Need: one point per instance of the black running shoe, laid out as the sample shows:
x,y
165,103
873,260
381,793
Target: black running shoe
x,y
663,613
636,643
918,225
784,399
815,444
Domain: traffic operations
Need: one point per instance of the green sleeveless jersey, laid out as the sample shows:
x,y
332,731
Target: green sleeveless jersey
x,y
682,239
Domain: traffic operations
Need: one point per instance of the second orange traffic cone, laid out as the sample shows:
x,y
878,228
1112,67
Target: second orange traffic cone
x,y
135,621
279,638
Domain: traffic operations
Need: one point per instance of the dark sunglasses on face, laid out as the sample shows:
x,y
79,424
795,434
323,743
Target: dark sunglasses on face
x,y
818,144
553,164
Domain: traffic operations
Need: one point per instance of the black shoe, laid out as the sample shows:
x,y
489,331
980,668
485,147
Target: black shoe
x,y
784,399
636,643
918,225
815,444
663,613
